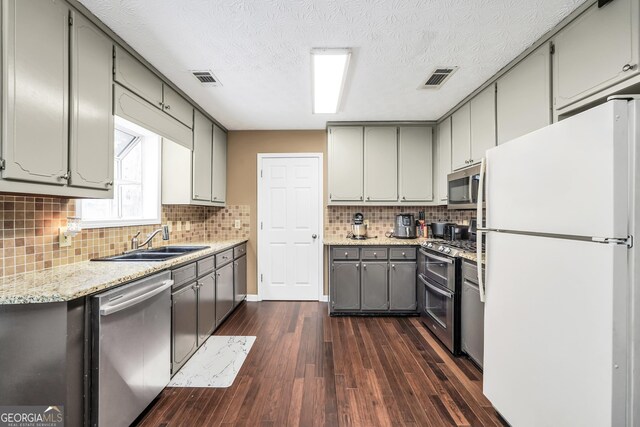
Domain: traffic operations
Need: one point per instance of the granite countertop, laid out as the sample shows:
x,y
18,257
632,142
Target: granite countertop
x,y
68,282
379,241
471,256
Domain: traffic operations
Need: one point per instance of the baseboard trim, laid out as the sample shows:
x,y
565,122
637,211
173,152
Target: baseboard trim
x,y
253,298
324,298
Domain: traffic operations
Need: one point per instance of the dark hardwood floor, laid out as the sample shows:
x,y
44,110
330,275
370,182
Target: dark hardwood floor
x,y
309,369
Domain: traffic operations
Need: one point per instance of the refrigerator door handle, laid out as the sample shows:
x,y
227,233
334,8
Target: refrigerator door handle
x,y
480,230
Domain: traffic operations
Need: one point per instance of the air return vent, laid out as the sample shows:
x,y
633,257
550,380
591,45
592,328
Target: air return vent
x,y
438,77
206,77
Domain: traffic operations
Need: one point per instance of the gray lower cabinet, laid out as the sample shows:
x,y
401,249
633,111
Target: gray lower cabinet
x,y
345,286
206,306
402,286
224,292
240,279
374,286
184,325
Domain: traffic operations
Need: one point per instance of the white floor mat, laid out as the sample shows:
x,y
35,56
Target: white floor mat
x,y
215,364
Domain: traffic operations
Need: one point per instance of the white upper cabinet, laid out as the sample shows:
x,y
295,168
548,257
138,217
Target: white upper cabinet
x,y
461,137
346,163
523,101
35,88
133,75
483,123
415,164
219,164
176,106
595,51
444,159
202,149
92,129
381,163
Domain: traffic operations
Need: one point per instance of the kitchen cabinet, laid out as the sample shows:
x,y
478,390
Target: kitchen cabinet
x,y
184,325
176,106
523,98
461,137
219,165
206,287
239,279
443,165
596,50
415,164
345,286
224,292
346,163
381,163
402,286
202,152
374,286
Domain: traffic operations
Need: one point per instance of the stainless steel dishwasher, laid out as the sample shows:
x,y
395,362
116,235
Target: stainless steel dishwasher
x,y
131,349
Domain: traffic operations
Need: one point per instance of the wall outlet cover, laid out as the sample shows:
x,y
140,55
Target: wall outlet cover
x,y
237,223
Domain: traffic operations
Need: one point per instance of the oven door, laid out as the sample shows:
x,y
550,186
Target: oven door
x,y
439,270
438,312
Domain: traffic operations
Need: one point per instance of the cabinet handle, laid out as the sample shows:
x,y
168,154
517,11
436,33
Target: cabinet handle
x,y
346,254
368,198
161,104
360,197
109,183
357,265
364,266
65,176
167,107
375,254
628,67
404,198
393,266
403,254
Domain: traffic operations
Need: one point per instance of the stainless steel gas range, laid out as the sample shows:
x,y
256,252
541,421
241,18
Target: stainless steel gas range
x,y
439,273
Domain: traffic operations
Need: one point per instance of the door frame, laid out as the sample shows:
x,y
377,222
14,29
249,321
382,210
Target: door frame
x,y
261,205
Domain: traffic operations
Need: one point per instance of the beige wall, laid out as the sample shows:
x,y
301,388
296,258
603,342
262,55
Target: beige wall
x,y
242,180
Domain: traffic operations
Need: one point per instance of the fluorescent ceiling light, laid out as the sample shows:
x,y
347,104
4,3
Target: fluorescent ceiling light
x,y
329,70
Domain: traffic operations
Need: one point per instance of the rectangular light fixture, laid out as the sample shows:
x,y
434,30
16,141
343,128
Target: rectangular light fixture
x,y
328,72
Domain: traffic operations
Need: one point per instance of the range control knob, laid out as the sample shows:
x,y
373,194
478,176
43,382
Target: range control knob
x,y
429,245
441,248
447,251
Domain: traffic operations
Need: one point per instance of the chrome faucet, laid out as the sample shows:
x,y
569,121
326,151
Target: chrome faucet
x,y
165,236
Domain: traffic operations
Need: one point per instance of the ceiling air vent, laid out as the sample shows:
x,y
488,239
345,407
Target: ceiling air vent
x,y
206,77
439,76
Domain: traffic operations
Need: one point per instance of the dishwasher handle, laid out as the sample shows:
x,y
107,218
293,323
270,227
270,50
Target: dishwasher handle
x,y
137,300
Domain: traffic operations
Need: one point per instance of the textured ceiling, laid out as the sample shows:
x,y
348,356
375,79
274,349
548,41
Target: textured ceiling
x,y
259,49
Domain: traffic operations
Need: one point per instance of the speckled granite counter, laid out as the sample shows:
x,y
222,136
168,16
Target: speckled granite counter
x,y
68,282
376,241
471,256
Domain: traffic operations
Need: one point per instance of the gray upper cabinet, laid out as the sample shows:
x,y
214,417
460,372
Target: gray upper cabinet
x,y
346,163
374,286
483,123
595,51
91,133
402,286
35,86
461,137
176,106
219,165
444,158
523,101
345,286
381,164
133,75
202,146
415,164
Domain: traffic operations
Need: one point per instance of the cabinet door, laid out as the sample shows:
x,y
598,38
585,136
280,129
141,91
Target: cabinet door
x,y
35,86
345,286
375,286
444,158
346,170
240,279
184,328
224,292
381,164
92,129
402,286
202,158
592,51
523,99
176,106
461,137
206,306
416,164
219,164
483,123
133,75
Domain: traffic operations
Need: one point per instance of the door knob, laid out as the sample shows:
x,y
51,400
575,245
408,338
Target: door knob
x,y
314,236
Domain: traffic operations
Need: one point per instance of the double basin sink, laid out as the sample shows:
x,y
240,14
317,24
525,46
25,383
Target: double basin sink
x,y
154,254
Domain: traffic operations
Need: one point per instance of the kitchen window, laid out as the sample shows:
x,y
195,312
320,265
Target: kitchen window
x,y
136,195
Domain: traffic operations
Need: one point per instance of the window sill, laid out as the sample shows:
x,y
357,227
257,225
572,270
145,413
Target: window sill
x,y
123,223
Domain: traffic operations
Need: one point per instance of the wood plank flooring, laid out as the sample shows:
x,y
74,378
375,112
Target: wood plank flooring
x,y
309,369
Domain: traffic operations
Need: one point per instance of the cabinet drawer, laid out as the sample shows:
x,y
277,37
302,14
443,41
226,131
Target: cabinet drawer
x,y
224,257
238,251
402,253
206,265
183,275
345,253
374,253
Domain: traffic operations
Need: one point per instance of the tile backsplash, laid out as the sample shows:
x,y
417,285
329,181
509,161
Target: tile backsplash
x,y
29,240
381,218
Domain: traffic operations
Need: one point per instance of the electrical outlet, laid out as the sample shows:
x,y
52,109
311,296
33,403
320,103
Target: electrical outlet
x,y
237,223
188,226
178,225
366,222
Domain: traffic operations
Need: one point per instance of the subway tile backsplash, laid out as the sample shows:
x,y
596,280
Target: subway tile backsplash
x,y
29,240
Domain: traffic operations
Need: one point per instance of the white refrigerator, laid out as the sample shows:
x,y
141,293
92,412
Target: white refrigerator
x,y
562,333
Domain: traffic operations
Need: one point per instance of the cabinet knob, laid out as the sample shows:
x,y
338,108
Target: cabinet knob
x,y
109,183
404,198
357,265
196,196
364,266
167,107
160,104
403,254
393,266
215,197
346,254
65,176
628,67
314,236
360,197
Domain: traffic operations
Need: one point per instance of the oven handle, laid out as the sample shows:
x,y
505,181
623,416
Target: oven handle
x,y
435,289
428,255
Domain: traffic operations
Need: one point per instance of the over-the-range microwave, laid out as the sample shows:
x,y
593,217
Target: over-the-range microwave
x,y
462,188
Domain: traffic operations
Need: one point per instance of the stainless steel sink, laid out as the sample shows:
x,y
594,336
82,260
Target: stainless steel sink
x,y
154,254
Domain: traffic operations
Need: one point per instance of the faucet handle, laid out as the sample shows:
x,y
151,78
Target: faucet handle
x,y
134,241
165,232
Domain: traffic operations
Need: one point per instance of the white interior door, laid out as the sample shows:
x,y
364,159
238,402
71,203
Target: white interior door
x,y
289,218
